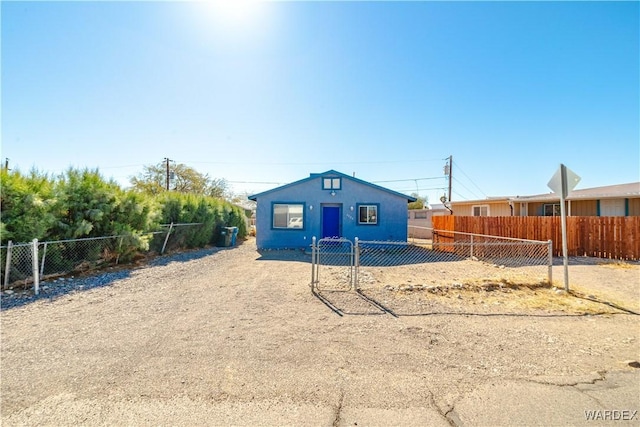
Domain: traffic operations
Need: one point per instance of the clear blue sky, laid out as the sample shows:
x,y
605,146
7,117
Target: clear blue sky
x,y
274,91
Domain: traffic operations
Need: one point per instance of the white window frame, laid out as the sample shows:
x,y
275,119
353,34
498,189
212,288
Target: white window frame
x,y
368,216
420,215
554,212
291,217
480,207
331,183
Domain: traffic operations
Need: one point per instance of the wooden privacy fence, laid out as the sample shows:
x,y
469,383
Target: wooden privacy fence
x,y
603,237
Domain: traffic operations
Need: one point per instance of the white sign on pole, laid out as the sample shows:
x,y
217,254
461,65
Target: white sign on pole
x,y
570,181
562,182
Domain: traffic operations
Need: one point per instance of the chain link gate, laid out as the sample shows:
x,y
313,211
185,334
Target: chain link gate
x,y
334,278
333,264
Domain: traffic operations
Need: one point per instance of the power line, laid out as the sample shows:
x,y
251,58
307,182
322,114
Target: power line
x,y
420,189
470,180
121,166
466,188
405,180
256,182
312,163
461,196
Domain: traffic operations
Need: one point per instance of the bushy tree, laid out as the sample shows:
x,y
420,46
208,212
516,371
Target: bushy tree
x,y
29,208
420,203
211,212
81,203
184,179
89,203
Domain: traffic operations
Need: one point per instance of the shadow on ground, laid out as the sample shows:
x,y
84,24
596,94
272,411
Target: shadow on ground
x,y
53,288
359,303
584,260
283,255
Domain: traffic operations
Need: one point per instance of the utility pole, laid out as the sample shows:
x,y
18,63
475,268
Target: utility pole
x,y
450,174
6,164
447,171
167,160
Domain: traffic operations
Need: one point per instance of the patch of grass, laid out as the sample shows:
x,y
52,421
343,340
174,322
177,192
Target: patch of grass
x,y
530,296
508,295
618,264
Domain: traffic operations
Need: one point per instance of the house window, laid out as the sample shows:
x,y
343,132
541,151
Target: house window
x,y
331,183
421,215
288,215
480,210
613,207
368,214
551,209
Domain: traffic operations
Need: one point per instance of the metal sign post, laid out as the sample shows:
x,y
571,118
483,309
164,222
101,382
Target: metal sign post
x,y
562,182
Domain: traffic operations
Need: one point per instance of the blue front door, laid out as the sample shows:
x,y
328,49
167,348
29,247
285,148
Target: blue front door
x,y
330,221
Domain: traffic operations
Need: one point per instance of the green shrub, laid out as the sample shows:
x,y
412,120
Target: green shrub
x,y
29,205
81,203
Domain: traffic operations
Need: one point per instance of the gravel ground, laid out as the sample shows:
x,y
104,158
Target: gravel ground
x,y
208,336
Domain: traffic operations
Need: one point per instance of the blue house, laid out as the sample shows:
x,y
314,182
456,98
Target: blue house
x,y
329,204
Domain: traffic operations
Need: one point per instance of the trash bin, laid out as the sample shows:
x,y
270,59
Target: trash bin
x,y
225,237
234,235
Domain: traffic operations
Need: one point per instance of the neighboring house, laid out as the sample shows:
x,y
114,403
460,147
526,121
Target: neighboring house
x,y
612,200
491,206
329,204
420,224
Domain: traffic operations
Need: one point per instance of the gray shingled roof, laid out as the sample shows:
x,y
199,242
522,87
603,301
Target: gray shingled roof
x,y
607,192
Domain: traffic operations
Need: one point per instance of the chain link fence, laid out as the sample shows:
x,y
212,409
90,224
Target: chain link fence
x,y
17,263
453,258
23,264
448,259
79,255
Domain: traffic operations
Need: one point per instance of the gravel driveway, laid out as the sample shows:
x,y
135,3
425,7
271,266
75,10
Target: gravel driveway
x,y
235,336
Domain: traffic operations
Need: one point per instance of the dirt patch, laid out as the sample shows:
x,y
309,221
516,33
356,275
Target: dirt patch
x,y
472,286
238,331
489,297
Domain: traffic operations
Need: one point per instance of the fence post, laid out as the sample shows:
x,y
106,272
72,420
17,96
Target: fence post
x,y
550,260
7,267
119,249
471,248
313,261
166,238
44,256
36,272
356,264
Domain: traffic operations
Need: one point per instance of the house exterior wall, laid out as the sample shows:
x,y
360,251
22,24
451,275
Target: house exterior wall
x,y
584,208
496,208
516,209
392,213
634,207
588,207
535,209
419,221
461,210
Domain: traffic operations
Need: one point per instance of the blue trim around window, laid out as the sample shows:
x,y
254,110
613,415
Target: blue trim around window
x,y
304,216
331,187
368,224
626,207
